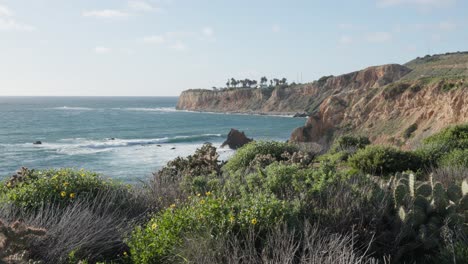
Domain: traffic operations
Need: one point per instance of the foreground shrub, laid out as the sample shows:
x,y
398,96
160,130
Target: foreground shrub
x,y
384,160
243,157
31,189
196,173
156,241
457,158
308,245
90,229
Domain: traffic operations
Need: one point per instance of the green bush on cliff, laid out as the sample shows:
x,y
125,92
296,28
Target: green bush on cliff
x,y
455,137
241,160
384,160
346,143
457,158
435,147
31,189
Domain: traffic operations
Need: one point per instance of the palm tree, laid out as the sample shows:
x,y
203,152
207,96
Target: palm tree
x,y
263,80
234,82
284,81
254,83
277,81
228,83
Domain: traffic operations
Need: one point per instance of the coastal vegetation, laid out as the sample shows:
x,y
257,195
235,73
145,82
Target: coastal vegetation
x,y
272,202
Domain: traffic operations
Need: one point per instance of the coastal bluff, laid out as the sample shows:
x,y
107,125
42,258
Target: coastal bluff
x,y
395,104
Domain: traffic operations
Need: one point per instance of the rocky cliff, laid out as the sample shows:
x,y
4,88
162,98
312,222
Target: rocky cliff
x,y
398,104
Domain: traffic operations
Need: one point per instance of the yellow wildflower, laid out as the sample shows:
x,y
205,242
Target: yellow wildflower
x,y
125,253
254,221
208,193
232,218
63,193
65,184
198,194
72,195
154,226
173,206
202,201
8,184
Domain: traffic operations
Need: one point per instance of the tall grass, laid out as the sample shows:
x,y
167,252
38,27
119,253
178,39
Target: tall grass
x,y
91,228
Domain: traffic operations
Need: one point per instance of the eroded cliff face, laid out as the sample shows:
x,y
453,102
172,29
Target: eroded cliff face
x,y
290,100
380,102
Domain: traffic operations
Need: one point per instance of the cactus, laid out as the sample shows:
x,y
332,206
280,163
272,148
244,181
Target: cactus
x,y
454,192
465,187
411,184
440,200
424,189
424,210
402,214
463,204
400,193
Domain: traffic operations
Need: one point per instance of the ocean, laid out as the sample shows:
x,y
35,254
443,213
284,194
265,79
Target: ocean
x,y
125,138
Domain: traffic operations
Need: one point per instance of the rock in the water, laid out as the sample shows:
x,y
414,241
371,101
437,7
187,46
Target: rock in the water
x,y
172,148
236,139
37,142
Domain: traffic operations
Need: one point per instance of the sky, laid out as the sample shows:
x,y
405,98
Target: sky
x,y
162,47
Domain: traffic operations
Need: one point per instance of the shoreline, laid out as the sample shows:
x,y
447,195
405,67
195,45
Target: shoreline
x,y
253,113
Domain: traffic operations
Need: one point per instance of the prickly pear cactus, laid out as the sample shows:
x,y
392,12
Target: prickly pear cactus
x,y
423,208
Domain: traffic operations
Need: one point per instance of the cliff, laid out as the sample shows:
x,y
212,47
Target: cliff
x,y
398,104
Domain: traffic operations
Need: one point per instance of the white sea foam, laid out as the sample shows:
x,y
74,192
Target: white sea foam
x,y
149,109
73,108
82,146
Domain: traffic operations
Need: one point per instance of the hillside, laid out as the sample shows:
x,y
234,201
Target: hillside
x,y
398,104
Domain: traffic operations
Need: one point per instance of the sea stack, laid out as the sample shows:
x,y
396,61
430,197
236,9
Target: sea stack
x,y
236,139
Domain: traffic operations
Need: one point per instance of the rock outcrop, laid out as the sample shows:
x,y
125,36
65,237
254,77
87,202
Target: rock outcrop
x,y
236,139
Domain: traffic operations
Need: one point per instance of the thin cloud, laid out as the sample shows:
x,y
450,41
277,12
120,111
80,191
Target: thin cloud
x,y
447,26
107,13
13,25
345,40
208,32
9,23
102,50
141,6
5,11
179,46
417,3
378,37
156,39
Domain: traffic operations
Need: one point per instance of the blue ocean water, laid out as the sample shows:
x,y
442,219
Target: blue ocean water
x,y
126,138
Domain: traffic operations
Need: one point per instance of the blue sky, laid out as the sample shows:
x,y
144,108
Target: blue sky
x,y
161,47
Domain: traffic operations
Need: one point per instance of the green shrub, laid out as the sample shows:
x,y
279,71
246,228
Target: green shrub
x,y
290,181
395,89
455,137
346,143
435,147
156,241
241,160
456,158
196,173
33,188
384,160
